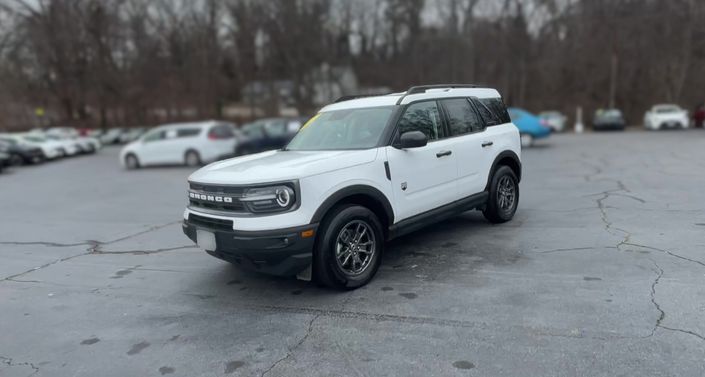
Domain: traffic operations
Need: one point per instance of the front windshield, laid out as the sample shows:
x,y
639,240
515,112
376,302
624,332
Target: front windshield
x,y
35,139
342,129
253,130
664,109
8,141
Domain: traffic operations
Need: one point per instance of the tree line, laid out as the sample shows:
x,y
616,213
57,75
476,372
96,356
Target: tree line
x,y
133,62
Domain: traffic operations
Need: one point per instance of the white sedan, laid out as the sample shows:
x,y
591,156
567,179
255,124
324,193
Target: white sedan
x,y
85,144
50,149
190,144
666,116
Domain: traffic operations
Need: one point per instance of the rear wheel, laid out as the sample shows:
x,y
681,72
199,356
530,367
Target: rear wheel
x,y
348,251
192,159
131,162
504,196
526,140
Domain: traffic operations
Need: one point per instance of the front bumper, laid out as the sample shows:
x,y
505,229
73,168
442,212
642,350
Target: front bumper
x,y
32,155
282,252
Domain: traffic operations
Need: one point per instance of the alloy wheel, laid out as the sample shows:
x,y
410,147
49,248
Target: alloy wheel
x,y
506,193
355,247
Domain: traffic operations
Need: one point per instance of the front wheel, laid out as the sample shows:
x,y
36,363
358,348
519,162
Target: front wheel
x,y
348,252
504,196
131,162
192,159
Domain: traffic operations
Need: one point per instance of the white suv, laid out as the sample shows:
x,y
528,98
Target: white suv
x,y
362,171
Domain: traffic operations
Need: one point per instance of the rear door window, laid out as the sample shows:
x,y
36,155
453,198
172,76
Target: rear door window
x,y
188,132
462,117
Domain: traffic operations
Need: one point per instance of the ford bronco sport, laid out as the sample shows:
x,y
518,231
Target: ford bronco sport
x,y
362,171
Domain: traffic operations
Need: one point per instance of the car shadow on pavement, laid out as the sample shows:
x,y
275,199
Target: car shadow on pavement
x,y
441,249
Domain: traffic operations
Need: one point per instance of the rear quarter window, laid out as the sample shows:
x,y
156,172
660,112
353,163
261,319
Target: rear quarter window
x,y
222,131
497,107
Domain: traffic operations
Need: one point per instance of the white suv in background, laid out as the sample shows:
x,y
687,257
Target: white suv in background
x,y
360,172
189,144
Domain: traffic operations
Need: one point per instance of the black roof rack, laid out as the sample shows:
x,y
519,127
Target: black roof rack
x,y
356,96
424,88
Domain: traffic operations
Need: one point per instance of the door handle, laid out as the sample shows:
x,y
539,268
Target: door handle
x,y
486,144
444,153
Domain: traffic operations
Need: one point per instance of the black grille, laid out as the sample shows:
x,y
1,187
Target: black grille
x,y
235,206
233,192
210,223
216,189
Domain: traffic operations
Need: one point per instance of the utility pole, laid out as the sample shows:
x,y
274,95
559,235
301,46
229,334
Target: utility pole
x,y
613,79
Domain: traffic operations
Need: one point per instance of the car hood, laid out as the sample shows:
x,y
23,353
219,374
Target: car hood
x,y
274,166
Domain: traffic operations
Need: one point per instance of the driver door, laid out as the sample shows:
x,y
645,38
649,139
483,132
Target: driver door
x,y
423,178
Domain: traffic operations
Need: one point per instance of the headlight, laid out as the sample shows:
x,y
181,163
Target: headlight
x,y
277,198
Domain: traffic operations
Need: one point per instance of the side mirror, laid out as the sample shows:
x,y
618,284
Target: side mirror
x,y
413,139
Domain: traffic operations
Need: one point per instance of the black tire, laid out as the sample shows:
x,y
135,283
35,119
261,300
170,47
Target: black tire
x,y
498,211
329,270
132,162
192,159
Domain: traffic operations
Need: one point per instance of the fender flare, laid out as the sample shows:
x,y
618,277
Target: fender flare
x,y
506,154
345,192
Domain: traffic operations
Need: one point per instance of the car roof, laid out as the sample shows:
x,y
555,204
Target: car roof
x,y
178,126
407,97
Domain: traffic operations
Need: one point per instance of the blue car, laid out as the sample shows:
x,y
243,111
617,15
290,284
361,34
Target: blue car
x,y
529,125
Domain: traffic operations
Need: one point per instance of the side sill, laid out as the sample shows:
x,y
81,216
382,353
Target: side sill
x,y
435,215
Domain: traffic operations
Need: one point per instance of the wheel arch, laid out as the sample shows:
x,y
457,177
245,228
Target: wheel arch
x,y
506,158
366,196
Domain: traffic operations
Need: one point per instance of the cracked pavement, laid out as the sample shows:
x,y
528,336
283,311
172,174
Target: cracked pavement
x,y
601,273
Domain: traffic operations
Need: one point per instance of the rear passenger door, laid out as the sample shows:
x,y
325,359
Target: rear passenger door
x,y
468,140
422,178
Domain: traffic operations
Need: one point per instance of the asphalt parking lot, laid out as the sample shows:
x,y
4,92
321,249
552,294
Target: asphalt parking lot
x,y
601,273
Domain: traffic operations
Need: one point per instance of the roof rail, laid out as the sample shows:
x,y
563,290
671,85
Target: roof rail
x,y
356,96
424,88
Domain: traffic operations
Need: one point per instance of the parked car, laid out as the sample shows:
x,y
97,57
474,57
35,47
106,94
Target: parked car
x,y
111,136
608,119
189,144
267,134
85,144
20,153
553,119
529,125
666,116
68,146
362,171
4,160
699,116
50,149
